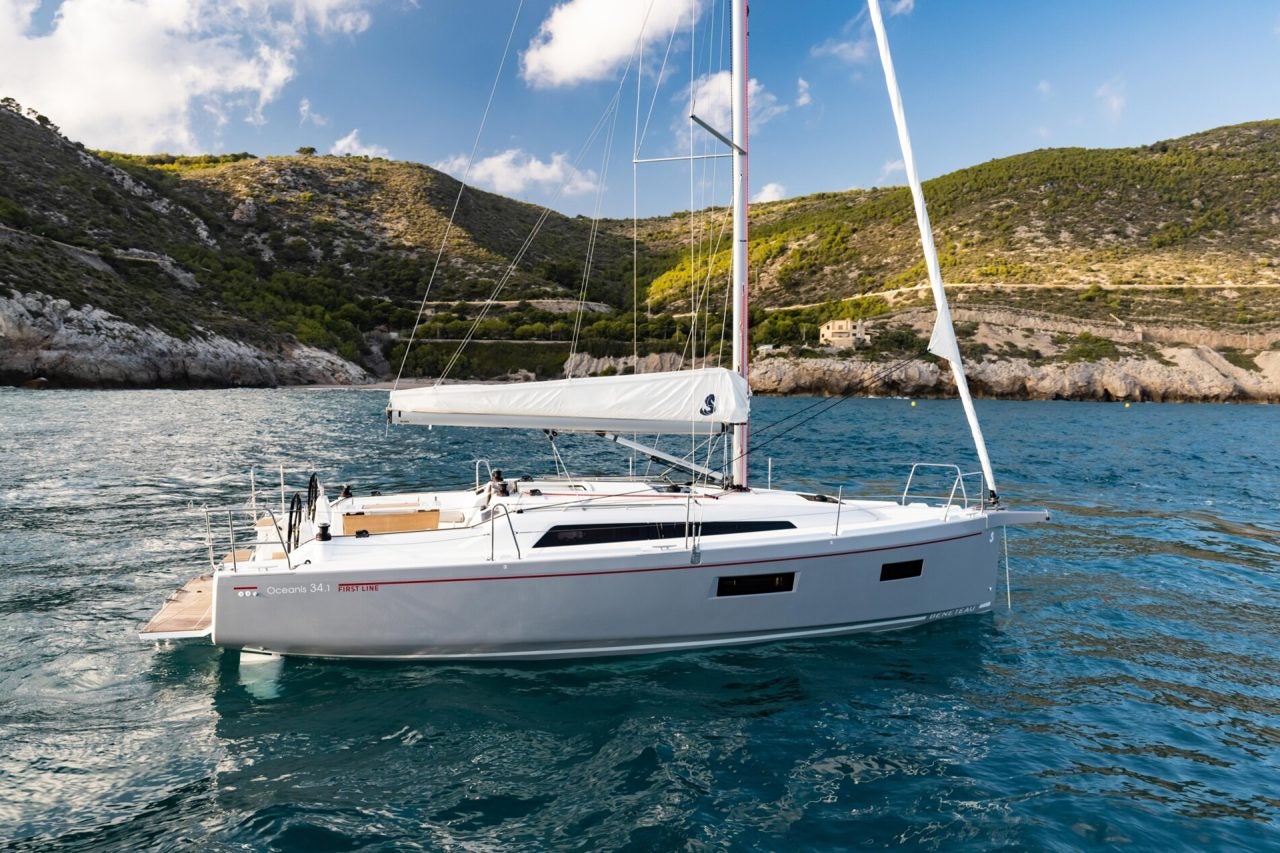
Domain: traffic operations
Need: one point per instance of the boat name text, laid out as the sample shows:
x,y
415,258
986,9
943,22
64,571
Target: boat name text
x,y
300,589
955,611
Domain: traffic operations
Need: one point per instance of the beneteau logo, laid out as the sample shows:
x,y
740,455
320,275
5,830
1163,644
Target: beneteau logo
x,y
708,405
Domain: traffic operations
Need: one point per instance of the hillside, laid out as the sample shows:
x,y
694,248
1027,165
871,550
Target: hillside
x,y
1204,209
289,255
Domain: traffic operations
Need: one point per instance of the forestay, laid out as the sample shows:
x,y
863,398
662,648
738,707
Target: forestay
x,y
702,402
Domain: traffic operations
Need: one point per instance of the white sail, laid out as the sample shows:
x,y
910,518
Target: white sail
x,y
701,402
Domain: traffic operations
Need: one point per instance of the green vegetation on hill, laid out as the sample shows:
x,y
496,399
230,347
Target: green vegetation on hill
x,y
337,251
1055,216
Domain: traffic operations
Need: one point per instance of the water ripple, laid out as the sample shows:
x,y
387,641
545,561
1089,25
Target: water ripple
x,y
1129,698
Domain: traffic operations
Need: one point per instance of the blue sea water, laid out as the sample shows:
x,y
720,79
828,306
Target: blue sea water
x,y
1129,699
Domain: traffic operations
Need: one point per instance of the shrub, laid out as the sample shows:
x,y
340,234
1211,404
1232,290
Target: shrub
x,y
1089,347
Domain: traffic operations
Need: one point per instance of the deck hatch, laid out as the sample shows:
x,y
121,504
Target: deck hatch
x,y
901,571
603,534
755,584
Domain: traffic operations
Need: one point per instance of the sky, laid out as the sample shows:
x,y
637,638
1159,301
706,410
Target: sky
x,y
411,80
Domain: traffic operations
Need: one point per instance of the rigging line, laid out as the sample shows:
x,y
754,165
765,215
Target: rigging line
x,y
510,271
724,323
635,220
493,295
691,346
654,100
694,308
701,306
462,185
695,244
828,402
636,140
713,249
638,55
831,403
825,401
545,214
690,349
595,228
701,309
701,249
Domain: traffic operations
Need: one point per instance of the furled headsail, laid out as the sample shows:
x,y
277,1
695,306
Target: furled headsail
x,y
702,402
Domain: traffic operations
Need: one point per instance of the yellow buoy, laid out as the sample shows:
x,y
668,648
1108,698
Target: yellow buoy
x,y
913,404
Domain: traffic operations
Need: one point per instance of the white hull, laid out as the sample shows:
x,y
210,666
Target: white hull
x,y
436,594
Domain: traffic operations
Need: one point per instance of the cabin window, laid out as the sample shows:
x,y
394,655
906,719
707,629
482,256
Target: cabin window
x,y
603,534
755,584
901,571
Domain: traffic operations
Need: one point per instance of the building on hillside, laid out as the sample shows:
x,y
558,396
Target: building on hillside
x,y
843,334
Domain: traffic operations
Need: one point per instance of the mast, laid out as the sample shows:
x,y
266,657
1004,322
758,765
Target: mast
x,y
943,342
741,340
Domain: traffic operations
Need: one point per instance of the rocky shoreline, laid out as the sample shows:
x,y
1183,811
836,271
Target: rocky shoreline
x,y
49,342
1175,374
1191,374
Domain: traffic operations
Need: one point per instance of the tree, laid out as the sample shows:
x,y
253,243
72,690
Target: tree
x,y
307,151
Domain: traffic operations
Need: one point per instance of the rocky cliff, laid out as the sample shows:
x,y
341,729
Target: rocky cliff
x,y
49,341
1183,374
1190,374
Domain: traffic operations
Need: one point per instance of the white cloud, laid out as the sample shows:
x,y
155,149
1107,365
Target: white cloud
x,y
901,7
586,40
134,75
1045,88
889,168
1111,94
847,51
713,103
351,144
306,114
515,171
770,192
1042,132
339,16
803,98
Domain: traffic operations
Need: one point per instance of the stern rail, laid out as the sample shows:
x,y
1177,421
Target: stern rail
x,y
266,533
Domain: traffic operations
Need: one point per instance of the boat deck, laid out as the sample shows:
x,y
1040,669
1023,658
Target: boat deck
x,y
187,613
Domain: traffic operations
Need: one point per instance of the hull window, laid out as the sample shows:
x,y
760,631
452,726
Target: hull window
x,y
901,571
603,534
755,584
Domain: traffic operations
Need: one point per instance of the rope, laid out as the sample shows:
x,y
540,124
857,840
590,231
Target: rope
x,y
528,242
595,231
610,110
462,186
827,404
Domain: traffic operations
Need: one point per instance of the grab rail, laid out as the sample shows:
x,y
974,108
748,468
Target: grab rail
x,y
487,467
958,484
493,515
231,512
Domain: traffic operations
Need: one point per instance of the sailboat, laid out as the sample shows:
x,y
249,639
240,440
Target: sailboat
x,y
565,567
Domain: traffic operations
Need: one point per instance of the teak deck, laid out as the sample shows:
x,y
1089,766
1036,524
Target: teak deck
x,y
390,522
187,613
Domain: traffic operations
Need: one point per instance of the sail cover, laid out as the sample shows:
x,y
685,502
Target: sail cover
x,y
702,401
